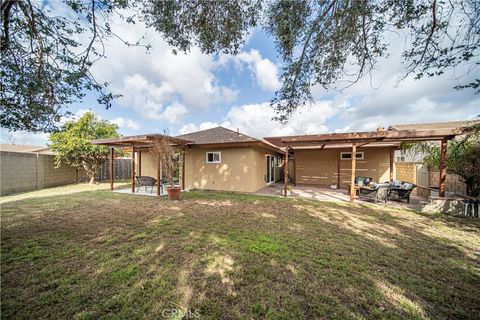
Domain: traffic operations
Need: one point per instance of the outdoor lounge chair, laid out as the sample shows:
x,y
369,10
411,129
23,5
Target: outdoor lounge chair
x,y
145,181
376,192
400,190
363,181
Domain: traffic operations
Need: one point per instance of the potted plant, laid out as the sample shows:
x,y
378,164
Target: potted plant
x,y
164,154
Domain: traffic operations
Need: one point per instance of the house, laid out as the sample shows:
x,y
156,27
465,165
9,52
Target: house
x,y
214,159
222,159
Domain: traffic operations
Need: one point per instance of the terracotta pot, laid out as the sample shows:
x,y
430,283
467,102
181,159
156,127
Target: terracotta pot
x,y
173,193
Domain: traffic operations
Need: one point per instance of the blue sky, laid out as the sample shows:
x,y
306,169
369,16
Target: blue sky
x,y
184,93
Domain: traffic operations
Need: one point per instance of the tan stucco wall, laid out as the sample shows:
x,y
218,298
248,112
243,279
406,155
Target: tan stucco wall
x,y
241,169
321,166
149,167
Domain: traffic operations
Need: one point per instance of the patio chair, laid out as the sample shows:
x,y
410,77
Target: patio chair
x,y
363,181
400,190
376,192
145,181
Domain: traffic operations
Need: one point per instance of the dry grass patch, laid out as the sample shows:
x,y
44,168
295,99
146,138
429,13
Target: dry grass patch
x,y
97,254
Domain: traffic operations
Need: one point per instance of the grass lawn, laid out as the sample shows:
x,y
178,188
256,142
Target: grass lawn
x,y
97,254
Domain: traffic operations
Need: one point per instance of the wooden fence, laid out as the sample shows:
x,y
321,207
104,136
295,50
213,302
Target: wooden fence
x,y
427,180
122,169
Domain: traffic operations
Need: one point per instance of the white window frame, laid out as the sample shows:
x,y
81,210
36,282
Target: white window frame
x,y
213,152
361,157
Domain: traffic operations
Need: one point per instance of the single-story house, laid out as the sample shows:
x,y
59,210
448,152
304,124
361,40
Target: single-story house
x,y
222,159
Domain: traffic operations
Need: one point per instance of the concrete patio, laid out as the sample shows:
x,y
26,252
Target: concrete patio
x,y
336,195
141,191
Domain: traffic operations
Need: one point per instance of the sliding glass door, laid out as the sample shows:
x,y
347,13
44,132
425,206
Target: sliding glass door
x,y
270,169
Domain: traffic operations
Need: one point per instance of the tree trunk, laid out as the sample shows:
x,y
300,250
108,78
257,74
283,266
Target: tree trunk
x,y
91,171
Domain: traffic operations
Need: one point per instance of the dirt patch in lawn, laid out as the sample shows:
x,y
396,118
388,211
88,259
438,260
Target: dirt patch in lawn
x,y
218,255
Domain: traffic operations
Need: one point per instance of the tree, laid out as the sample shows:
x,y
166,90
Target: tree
x,y
320,43
164,155
72,144
463,158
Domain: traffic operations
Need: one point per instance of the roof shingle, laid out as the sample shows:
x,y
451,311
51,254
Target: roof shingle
x,y
217,135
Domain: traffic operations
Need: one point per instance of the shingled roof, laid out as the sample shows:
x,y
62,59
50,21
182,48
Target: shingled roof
x,y
434,125
217,135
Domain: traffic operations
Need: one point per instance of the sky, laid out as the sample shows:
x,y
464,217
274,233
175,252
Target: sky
x,y
187,92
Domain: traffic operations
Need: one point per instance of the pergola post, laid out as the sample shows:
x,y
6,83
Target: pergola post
x,y
139,162
112,158
294,170
286,172
133,169
183,168
443,168
392,154
159,178
352,175
338,170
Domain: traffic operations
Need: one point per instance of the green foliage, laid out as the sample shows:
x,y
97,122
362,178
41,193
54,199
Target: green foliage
x,y
333,44
213,26
72,144
45,64
322,43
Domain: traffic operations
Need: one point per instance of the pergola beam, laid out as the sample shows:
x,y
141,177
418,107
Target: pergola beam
x,y
399,135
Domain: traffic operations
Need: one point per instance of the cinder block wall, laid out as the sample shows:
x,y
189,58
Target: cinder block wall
x,y
21,172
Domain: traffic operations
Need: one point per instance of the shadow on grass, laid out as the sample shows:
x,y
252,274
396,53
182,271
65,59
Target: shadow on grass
x,y
98,254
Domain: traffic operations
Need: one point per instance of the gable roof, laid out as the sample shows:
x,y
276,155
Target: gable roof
x,y
220,136
217,135
434,125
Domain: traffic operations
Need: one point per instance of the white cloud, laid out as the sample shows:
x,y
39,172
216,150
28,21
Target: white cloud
x,y
385,101
160,80
174,112
126,123
256,120
191,127
264,70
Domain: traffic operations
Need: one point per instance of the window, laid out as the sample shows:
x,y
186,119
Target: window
x,y
214,157
348,155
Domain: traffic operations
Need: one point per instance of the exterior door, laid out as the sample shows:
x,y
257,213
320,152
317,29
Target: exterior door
x,y
270,169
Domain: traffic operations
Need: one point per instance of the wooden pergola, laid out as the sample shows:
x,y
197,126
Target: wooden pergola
x,y
138,144
355,140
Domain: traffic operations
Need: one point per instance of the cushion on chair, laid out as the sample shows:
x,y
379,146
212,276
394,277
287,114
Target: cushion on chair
x,y
406,186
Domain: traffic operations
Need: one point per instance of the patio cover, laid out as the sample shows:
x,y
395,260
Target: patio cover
x,y
137,144
354,140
